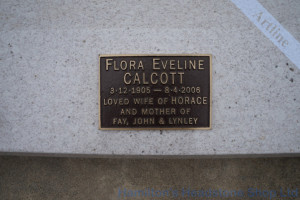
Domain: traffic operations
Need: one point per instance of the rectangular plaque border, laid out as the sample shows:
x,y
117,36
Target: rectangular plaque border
x,y
151,128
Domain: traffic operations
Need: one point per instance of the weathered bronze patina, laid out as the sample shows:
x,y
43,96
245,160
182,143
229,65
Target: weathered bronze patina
x,y
155,92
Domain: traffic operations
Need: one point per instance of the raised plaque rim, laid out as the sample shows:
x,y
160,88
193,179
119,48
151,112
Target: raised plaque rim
x,y
151,128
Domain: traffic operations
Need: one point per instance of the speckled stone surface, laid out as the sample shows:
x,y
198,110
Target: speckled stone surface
x,y
49,76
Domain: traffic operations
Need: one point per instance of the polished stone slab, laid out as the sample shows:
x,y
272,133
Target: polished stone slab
x,y
49,76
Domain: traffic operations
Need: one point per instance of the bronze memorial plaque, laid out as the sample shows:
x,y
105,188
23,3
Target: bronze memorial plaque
x,y
155,92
